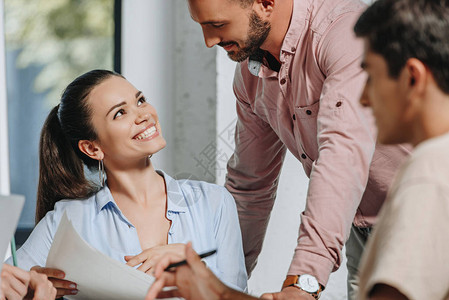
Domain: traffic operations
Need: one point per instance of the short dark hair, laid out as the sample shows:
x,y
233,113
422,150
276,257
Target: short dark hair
x,y
402,29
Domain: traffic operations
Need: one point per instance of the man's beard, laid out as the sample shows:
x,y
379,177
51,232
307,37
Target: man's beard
x,y
257,34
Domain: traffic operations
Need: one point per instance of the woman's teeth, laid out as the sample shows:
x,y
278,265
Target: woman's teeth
x,y
147,133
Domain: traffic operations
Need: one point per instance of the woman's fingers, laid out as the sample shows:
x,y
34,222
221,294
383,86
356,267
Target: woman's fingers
x,y
154,253
63,287
62,292
50,272
146,265
135,260
63,284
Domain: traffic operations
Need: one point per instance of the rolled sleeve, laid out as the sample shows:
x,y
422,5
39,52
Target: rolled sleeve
x,y
346,143
253,173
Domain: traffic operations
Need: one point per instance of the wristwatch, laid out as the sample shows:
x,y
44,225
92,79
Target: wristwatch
x,y
305,282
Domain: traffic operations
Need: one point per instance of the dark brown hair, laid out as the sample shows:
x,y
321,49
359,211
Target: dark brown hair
x,y
402,29
61,163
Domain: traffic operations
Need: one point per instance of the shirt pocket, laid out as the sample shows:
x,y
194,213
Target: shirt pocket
x,y
306,129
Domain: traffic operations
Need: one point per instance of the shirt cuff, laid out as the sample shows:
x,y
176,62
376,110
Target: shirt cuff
x,y
305,262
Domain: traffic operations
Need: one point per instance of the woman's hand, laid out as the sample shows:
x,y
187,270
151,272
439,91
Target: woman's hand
x,y
40,288
63,287
149,257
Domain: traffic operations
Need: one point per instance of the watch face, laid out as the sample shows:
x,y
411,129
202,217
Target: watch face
x,y
308,283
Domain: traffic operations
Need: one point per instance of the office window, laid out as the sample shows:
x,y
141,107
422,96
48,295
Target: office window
x,y
48,44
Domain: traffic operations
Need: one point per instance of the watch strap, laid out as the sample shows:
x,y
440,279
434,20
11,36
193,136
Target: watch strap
x,y
292,280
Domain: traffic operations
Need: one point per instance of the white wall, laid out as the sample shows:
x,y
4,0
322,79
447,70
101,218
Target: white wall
x,y
163,55
195,103
147,63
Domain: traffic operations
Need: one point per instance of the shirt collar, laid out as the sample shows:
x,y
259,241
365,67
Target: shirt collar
x,y
103,198
175,196
255,62
298,24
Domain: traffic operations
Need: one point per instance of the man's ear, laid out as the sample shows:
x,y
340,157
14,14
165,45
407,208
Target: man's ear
x,y
91,149
416,76
414,81
264,7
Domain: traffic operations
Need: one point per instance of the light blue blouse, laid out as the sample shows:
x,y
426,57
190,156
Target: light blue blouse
x,y
200,212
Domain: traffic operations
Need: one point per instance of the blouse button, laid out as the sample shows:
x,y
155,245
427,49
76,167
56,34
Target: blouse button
x,y
283,80
309,112
303,156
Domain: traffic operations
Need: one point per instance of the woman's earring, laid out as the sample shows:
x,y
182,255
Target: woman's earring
x,y
101,173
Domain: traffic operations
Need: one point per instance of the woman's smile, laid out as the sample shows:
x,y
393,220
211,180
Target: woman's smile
x,y
149,133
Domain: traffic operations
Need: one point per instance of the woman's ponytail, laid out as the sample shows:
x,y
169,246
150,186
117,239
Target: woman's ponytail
x,y
61,171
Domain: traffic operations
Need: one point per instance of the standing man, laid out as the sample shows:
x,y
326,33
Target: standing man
x,y
297,85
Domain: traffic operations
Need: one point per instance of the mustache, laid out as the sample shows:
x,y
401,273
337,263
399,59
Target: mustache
x,y
224,44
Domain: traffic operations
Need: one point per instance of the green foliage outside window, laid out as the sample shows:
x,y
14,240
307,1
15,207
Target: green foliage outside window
x,y
64,37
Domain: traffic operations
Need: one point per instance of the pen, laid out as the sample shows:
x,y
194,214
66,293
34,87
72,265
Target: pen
x,y
183,262
13,251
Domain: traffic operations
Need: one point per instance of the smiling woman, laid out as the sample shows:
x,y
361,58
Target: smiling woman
x,y
140,213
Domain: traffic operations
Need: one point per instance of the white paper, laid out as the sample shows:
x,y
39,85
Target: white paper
x,y
10,209
97,275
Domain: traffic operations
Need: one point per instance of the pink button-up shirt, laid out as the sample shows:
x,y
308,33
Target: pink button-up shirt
x,y
311,107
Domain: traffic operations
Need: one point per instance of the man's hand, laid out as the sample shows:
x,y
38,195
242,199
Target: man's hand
x,y
63,287
288,293
149,257
14,283
193,281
